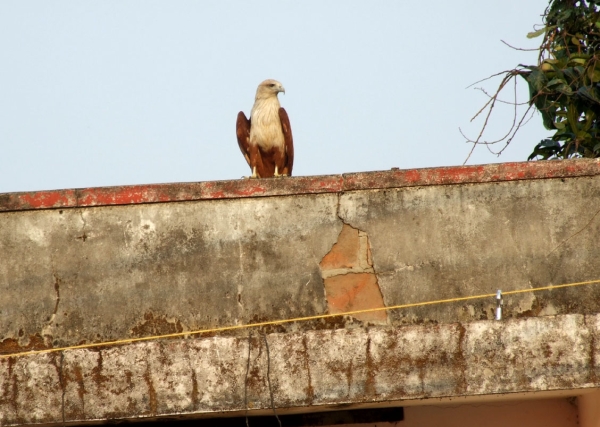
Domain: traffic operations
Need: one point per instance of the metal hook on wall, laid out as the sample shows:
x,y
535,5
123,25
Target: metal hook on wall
x,y
499,303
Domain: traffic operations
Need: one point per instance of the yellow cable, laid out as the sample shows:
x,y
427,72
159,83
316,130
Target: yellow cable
x,y
282,321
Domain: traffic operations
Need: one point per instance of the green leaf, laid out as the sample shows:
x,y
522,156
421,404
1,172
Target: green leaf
x,y
545,149
547,120
572,73
589,93
549,143
529,67
584,135
566,14
594,75
537,33
536,79
580,61
581,55
555,82
564,89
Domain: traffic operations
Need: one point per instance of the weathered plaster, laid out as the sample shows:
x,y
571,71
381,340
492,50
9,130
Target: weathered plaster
x,y
315,369
349,278
161,268
431,243
95,265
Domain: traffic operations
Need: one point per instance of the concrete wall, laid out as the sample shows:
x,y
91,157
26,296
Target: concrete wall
x,y
95,265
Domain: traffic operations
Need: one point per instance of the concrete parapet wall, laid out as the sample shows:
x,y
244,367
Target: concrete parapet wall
x,y
95,265
86,274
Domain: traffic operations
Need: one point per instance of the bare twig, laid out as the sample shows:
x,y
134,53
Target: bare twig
x,y
491,102
518,48
509,140
500,100
514,128
511,127
490,77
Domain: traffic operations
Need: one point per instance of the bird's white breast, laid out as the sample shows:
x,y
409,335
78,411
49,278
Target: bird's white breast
x,y
265,130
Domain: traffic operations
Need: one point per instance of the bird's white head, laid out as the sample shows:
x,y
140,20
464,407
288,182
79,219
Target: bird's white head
x,y
268,89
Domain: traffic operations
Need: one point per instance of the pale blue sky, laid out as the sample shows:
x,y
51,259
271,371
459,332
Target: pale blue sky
x,y
102,93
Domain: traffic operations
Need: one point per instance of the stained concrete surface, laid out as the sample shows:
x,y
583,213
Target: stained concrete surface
x,y
316,369
107,273
85,275
433,243
77,275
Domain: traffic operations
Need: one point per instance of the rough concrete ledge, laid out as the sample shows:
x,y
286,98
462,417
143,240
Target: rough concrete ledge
x,y
298,185
320,369
99,274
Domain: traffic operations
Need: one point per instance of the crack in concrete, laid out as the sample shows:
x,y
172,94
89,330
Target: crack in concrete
x,y
362,233
58,366
62,385
574,234
47,331
348,273
57,290
592,350
310,392
83,236
326,274
152,395
338,208
11,388
246,377
462,385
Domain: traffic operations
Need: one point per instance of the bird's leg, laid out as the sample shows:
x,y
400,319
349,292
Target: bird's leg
x,y
277,174
254,174
279,161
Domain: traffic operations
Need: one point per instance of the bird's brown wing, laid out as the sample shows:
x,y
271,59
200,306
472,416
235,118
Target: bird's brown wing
x,y
289,141
242,130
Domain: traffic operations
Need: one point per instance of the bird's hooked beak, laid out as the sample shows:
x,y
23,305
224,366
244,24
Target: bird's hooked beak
x,y
282,89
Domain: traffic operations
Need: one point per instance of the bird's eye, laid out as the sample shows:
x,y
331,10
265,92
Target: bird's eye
x,y
272,85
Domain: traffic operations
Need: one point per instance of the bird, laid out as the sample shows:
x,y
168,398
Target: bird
x,y
265,139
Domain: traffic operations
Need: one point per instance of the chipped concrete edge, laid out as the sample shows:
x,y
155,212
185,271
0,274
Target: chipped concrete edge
x,y
243,188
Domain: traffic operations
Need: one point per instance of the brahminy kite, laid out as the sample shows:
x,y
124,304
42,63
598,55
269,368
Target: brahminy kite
x,y
266,138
